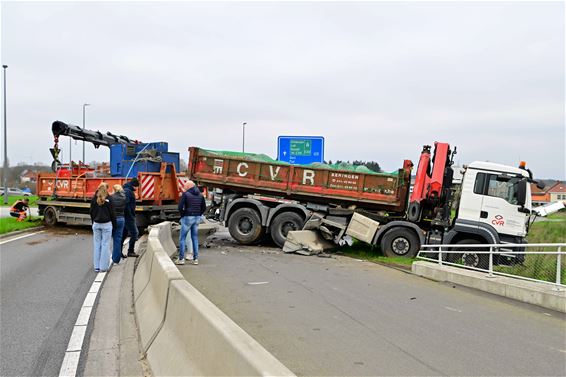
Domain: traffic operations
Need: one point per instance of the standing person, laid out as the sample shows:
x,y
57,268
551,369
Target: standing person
x,y
20,209
191,208
119,204
103,220
130,215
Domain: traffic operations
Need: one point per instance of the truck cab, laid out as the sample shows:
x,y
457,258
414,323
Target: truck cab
x,y
495,206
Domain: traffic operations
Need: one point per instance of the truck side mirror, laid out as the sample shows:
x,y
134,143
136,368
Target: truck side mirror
x,y
522,192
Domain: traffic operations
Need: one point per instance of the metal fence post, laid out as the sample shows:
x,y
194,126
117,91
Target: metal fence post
x,y
558,268
440,255
490,274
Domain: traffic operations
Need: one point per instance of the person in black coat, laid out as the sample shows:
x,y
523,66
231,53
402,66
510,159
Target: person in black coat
x,y
119,203
191,207
130,226
103,221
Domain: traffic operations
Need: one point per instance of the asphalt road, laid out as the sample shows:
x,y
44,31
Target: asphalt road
x,y
44,279
341,316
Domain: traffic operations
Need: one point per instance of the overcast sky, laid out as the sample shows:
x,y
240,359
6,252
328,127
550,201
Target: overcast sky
x,y
378,80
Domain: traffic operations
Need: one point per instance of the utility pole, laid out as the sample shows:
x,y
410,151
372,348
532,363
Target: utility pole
x,y
84,105
5,170
243,136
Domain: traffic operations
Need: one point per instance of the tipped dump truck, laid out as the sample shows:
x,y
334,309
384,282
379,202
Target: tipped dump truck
x,y
257,197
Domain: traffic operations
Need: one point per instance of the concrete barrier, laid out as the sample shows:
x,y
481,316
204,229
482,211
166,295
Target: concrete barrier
x,y
144,264
181,331
540,294
197,339
152,301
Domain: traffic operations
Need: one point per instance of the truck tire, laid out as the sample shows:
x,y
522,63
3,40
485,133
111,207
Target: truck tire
x,y
470,258
282,224
400,242
50,216
245,226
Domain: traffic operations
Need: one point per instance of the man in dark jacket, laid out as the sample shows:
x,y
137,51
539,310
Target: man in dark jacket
x,y
119,204
130,215
20,209
191,208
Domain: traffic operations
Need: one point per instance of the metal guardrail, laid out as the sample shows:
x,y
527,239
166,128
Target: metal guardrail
x,y
538,263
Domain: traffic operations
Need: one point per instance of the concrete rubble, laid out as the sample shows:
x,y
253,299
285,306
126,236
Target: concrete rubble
x,y
306,242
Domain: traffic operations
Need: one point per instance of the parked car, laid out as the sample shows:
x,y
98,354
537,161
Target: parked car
x,y
12,191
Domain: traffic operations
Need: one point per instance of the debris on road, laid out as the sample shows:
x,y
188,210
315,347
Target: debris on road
x,y
306,242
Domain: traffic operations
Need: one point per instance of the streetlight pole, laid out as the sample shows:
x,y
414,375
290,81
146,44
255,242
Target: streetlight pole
x,y
243,136
5,169
84,105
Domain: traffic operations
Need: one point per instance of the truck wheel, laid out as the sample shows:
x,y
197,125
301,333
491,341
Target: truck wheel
x,y
469,258
400,242
282,224
245,226
50,216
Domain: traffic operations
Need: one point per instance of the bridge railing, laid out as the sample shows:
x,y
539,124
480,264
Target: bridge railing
x,y
541,262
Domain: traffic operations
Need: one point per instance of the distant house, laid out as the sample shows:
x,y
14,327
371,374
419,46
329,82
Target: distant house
x,y
551,193
557,192
28,176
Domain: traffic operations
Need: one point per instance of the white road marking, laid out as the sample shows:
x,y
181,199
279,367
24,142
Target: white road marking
x,y
258,282
70,363
73,353
452,309
89,299
84,316
76,341
94,287
20,237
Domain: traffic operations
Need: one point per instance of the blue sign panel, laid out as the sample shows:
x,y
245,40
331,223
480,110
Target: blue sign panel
x,y
300,150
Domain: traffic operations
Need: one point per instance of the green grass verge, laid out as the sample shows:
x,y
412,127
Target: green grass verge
x,y
12,199
542,267
537,267
10,224
360,250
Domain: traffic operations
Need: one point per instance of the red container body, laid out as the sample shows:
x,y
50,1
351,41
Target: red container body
x,y
317,184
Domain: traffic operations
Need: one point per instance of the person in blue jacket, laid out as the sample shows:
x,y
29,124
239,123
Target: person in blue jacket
x,y
130,226
191,207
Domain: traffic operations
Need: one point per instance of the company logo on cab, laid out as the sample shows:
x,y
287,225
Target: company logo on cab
x,y
498,220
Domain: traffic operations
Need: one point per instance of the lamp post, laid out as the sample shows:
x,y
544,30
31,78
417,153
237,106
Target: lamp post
x,y
84,106
243,136
5,170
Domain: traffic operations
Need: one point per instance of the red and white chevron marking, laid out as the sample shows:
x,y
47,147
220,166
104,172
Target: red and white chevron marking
x,y
181,182
147,186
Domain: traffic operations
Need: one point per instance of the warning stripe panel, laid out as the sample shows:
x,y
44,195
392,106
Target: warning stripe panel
x,y
147,186
181,182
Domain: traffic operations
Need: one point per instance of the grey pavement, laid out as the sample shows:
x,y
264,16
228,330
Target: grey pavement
x,y
113,347
44,279
341,316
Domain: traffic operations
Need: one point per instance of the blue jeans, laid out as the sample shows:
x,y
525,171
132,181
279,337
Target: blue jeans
x,y
189,223
117,234
131,229
102,232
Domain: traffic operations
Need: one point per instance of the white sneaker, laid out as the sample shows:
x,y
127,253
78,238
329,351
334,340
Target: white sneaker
x,y
179,262
195,261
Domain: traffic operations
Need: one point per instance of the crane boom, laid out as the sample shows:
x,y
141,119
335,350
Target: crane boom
x,y
95,137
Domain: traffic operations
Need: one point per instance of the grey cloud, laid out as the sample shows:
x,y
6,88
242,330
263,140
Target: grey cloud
x,y
377,79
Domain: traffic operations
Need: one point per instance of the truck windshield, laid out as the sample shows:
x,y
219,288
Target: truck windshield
x,y
488,184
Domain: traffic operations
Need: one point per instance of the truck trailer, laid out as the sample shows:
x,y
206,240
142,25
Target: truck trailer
x,y
255,196
65,194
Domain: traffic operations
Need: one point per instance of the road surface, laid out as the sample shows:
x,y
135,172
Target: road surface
x,y
341,316
44,279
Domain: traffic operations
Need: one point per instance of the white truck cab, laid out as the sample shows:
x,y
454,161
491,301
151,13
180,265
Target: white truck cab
x,y
496,197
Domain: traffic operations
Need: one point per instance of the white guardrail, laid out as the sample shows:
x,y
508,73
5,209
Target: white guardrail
x,y
544,266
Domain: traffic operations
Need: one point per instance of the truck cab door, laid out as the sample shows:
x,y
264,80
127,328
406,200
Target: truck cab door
x,y
500,206
471,197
